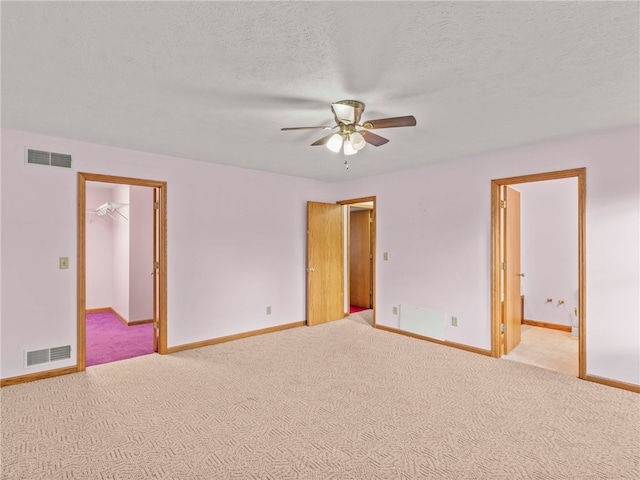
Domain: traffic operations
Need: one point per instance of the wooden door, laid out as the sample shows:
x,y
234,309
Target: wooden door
x,y
512,274
325,262
360,258
155,268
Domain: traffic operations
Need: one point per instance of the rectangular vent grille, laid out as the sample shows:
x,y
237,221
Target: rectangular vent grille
x,y
47,355
37,357
40,157
60,353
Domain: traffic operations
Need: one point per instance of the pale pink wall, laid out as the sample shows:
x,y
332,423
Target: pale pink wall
x,y
99,249
435,224
549,249
38,307
236,243
120,278
140,253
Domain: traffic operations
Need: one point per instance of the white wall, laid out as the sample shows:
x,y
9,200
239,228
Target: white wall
x,y
121,234
140,253
549,249
435,224
120,252
99,250
236,243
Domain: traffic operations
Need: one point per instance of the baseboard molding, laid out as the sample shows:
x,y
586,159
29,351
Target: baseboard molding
x,y
614,383
98,310
237,336
139,322
120,317
553,326
32,377
459,346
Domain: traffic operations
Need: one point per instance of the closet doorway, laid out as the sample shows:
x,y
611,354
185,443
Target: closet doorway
x,y
135,286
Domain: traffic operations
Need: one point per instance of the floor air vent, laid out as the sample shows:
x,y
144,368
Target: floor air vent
x,y
47,355
40,157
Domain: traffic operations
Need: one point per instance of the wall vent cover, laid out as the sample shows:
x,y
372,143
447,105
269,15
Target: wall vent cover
x,y
47,355
41,157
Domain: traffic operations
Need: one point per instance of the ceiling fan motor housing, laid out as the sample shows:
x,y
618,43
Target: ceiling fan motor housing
x,y
357,109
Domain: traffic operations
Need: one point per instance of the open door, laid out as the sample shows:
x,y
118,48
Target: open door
x,y
155,269
325,262
360,258
512,275
497,257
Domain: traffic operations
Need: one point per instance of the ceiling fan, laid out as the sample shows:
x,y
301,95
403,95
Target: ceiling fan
x,y
352,135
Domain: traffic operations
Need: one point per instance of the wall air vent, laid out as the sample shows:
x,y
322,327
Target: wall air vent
x,y
41,157
47,355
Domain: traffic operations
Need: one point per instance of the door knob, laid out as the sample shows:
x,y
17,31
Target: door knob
x,y
311,269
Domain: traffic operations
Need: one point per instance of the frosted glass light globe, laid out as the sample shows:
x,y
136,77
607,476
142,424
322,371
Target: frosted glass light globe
x,y
335,143
357,141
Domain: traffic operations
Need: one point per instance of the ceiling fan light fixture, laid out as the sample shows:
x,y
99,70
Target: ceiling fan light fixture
x,y
357,141
348,138
348,148
335,143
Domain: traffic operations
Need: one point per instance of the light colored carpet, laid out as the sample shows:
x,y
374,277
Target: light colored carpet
x,y
335,401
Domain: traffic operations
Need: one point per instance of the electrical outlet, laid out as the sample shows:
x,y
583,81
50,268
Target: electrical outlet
x,y
268,309
395,310
64,263
454,321
385,256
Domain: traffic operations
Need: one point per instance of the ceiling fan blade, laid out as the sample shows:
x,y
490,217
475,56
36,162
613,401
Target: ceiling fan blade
x,y
372,138
307,128
323,140
408,121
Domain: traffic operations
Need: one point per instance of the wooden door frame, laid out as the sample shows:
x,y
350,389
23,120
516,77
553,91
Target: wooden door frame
x,y
83,178
373,246
581,175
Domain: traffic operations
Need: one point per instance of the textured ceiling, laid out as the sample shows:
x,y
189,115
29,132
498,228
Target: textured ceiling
x,y
215,81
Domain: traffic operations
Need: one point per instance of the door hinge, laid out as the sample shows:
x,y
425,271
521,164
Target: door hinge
x,y
503,266
156,205
155,324
502,328
156,265
503,204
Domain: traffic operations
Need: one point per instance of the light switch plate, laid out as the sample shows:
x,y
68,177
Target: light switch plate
x,y
64,263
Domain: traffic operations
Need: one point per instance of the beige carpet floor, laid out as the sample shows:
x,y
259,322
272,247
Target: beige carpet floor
x,y
336,401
